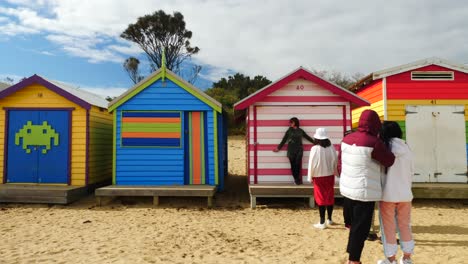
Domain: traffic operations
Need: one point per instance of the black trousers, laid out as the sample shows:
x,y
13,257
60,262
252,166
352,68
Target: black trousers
x,y
295,158
347,213
361,219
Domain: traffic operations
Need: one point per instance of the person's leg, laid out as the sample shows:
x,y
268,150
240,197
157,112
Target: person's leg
x,y
373,231
362,216
347,216
329,212
388,229
298,162
322,214
292,161
403,216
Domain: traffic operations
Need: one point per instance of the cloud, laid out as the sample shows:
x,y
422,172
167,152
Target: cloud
x,y
105,92
267,37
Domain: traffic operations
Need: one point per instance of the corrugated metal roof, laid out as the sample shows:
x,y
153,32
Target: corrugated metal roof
x,y
84,95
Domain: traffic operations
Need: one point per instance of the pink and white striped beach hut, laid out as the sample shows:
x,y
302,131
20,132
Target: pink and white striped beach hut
x,y
313,100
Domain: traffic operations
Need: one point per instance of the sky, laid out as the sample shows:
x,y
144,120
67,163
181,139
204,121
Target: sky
x,y
78,41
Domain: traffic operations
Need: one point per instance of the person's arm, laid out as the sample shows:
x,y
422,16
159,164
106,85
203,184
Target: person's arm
x,y
283,141
311,165
338,163
304,134
382,154
335,161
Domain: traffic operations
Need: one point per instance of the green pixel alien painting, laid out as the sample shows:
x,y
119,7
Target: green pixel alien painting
x,y
37,136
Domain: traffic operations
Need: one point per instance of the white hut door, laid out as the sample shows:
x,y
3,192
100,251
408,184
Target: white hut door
x,y
436,134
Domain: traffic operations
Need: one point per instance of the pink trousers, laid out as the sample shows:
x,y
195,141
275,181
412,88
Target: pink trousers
x,y
396,218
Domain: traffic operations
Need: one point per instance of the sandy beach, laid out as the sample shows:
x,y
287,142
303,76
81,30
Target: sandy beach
x,y
182,230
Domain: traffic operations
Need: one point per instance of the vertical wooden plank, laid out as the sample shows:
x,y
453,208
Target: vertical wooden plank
x,y
114,148
196,148
216,146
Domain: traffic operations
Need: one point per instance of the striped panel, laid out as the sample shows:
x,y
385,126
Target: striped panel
x,y
196,121
271,124
397,108
373,93
155,129
377,107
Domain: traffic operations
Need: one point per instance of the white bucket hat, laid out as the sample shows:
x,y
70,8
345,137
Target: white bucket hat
x,y
320,133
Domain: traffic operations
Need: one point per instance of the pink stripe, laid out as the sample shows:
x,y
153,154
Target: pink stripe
x,y
274,172
285,123
312,99
299,109
263,147
279,135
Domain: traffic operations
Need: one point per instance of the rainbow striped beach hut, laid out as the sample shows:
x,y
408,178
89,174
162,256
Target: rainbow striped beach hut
x,y
168,133
429,99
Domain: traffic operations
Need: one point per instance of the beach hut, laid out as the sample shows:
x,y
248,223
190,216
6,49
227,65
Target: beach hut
x,y
429,99
57,142
315,102
168,137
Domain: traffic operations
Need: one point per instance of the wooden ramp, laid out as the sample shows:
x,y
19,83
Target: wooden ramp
x,y
284,190
440,190
420,191
157,191
36,193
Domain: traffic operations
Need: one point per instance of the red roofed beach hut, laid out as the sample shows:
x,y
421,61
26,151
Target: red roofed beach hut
x,y
315,102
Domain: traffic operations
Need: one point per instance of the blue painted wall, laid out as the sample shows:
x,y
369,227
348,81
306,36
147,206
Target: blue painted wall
x,y
156,165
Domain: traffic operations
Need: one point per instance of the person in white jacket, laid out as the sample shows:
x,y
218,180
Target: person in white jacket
x,y
395,207
321,171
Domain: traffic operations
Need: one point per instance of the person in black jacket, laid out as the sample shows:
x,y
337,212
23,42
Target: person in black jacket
x,y
293,137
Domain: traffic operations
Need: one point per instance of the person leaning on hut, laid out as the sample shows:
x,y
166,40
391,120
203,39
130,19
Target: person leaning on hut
x,y
359,161
293,137
322,168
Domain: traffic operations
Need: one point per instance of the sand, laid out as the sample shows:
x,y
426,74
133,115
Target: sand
x,y
182,230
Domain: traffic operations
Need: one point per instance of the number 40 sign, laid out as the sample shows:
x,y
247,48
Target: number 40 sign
x,y
300,87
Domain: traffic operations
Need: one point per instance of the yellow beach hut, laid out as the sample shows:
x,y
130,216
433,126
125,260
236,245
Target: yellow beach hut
x,y
56,142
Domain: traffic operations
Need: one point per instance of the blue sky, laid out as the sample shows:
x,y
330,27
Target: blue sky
x,y
77,41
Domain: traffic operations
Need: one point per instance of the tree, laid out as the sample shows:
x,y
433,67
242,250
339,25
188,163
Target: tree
x,y
242,85
339,78
160,31
131,67
231,90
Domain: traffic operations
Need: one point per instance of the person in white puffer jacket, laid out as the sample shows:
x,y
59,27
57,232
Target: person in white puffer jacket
x,y
395,207
359,160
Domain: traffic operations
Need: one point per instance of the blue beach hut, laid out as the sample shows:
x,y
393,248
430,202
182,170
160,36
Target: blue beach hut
x,y
167,132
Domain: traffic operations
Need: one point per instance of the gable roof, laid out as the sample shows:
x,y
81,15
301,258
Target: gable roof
x,y
408,67
296,74
418,64
80,97
161,74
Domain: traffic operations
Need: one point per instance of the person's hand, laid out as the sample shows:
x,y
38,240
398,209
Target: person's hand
x,y
275,150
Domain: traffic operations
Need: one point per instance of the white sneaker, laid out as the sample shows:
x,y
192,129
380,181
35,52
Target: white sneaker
x,y
405,261
386,261
329,222
320,226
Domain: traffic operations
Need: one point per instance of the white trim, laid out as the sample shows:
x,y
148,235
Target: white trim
x,y
384,94
418,64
